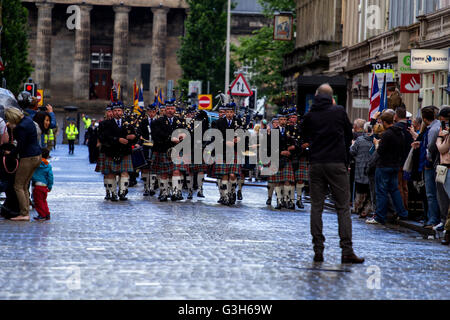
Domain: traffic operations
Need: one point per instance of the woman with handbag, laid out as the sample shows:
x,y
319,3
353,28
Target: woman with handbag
x,y
29,153
443,172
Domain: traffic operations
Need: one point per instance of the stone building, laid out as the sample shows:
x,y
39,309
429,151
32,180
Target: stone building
x,y
397,27
318,32
115,39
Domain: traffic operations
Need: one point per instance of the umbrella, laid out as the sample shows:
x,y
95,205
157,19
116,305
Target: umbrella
x,y
7,99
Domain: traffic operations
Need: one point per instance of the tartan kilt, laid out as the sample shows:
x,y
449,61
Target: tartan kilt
x,y
225,169
301,174
285,174
196,168
161,163
100,166
125,165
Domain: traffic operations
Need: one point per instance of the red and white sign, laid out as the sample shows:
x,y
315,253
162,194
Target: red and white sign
x,y
205,102
239,87
410,83
2,67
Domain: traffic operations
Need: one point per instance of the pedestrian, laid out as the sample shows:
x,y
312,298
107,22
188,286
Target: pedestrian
x,y
29,153
42,182
71,132
43,120
360,150
92,141
87,124
327,132
443,145
390,152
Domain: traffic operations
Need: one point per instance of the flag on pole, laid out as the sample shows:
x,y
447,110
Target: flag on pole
x,y
141,98
384,102
160,97
156,95
119,97
135,95
375,97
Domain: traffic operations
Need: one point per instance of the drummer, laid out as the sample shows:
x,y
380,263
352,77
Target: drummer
x,y
145,133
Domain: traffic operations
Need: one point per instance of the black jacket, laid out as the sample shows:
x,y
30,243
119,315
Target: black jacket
x,y
328,130
408,139
162,133
222,125
391,148
111,133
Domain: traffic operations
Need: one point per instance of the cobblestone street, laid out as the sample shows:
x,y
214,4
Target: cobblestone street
x,y
143,249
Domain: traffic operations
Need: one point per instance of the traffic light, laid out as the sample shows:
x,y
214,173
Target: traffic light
x,y
252,99
30,88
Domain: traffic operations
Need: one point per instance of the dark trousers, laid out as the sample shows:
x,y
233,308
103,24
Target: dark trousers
x,y
71,146
334,175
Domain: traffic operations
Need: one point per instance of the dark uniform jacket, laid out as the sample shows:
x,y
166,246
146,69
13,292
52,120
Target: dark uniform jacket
x,y
111,135
222,126
162,132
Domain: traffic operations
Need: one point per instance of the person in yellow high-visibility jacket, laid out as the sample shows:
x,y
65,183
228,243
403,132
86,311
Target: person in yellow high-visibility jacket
x,y
49,140
87,124
71,132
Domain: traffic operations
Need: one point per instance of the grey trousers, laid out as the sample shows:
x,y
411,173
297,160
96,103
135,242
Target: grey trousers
x,y
335,175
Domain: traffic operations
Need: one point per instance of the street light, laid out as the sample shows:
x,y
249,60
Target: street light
x,y
227,62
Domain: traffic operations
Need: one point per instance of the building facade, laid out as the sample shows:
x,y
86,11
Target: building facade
x,y
406,25
76,60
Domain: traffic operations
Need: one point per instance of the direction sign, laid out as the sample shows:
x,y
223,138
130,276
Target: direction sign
x,y
239,87
205,102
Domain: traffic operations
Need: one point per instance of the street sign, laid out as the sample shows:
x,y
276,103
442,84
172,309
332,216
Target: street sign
x,y
2,67
205,102
39,96
239,87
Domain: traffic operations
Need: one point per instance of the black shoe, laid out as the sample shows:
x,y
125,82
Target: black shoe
x,y
269,201
39,218
190,195
180,196
318,257
279,205
291,205
151,193
163,198
114,197
300,204
221,200
200,193
123,196
446,240
146,193
352,258
108,195
239,195
283,204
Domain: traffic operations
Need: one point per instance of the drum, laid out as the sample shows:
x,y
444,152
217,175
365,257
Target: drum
x,y
138,158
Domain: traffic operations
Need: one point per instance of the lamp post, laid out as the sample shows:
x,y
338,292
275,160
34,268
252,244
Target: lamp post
x,y
227,62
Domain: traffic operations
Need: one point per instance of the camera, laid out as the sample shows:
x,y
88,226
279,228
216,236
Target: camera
x,y
42,109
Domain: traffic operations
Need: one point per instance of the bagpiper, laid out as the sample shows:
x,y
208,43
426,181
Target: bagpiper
x,y
100,166
149,175
212,166
226,170
120,136
163,165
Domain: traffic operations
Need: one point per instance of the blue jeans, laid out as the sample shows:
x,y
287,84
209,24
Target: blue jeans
x,y
386,183
433,214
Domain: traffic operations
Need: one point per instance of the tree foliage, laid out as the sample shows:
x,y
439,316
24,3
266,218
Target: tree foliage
x,y
202,52
14,44
265,55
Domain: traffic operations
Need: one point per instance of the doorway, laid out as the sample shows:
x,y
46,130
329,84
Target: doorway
x,y
100,75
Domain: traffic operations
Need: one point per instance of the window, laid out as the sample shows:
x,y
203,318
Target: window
x,y
145,76
428,89
443,84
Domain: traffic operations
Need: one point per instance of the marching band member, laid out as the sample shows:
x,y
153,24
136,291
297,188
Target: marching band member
x,y
100,166
148,174
271,185
119,137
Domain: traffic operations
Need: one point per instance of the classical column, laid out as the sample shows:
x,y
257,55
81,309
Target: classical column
x,y
120,50
159,37
43,46
81,66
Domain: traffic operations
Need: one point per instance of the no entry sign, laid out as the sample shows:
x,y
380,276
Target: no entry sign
x,y
205,102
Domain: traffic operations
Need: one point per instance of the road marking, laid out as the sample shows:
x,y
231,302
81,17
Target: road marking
x,y
95,249
148,284
251,241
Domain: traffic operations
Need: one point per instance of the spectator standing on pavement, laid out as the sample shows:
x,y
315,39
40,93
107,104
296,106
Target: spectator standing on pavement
x,y
328,134
390,152
43,183
360,150
87,124
401,122
71,132
43,120
29,153
443,145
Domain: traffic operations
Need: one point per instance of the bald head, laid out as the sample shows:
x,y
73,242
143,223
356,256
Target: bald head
x,y
325,89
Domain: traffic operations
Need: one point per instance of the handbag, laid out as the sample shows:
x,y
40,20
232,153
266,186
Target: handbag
x,y
441,174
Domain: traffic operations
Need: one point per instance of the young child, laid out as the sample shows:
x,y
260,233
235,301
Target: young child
x,y
43,182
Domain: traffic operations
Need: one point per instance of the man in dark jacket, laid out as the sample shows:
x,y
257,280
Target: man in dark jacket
x,y
327,132
402,123
391,152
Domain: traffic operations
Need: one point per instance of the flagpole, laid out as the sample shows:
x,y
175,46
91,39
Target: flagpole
x,y
227,63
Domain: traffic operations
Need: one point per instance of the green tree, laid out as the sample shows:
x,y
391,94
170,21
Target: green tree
x,y
14,44
265,55
202,52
